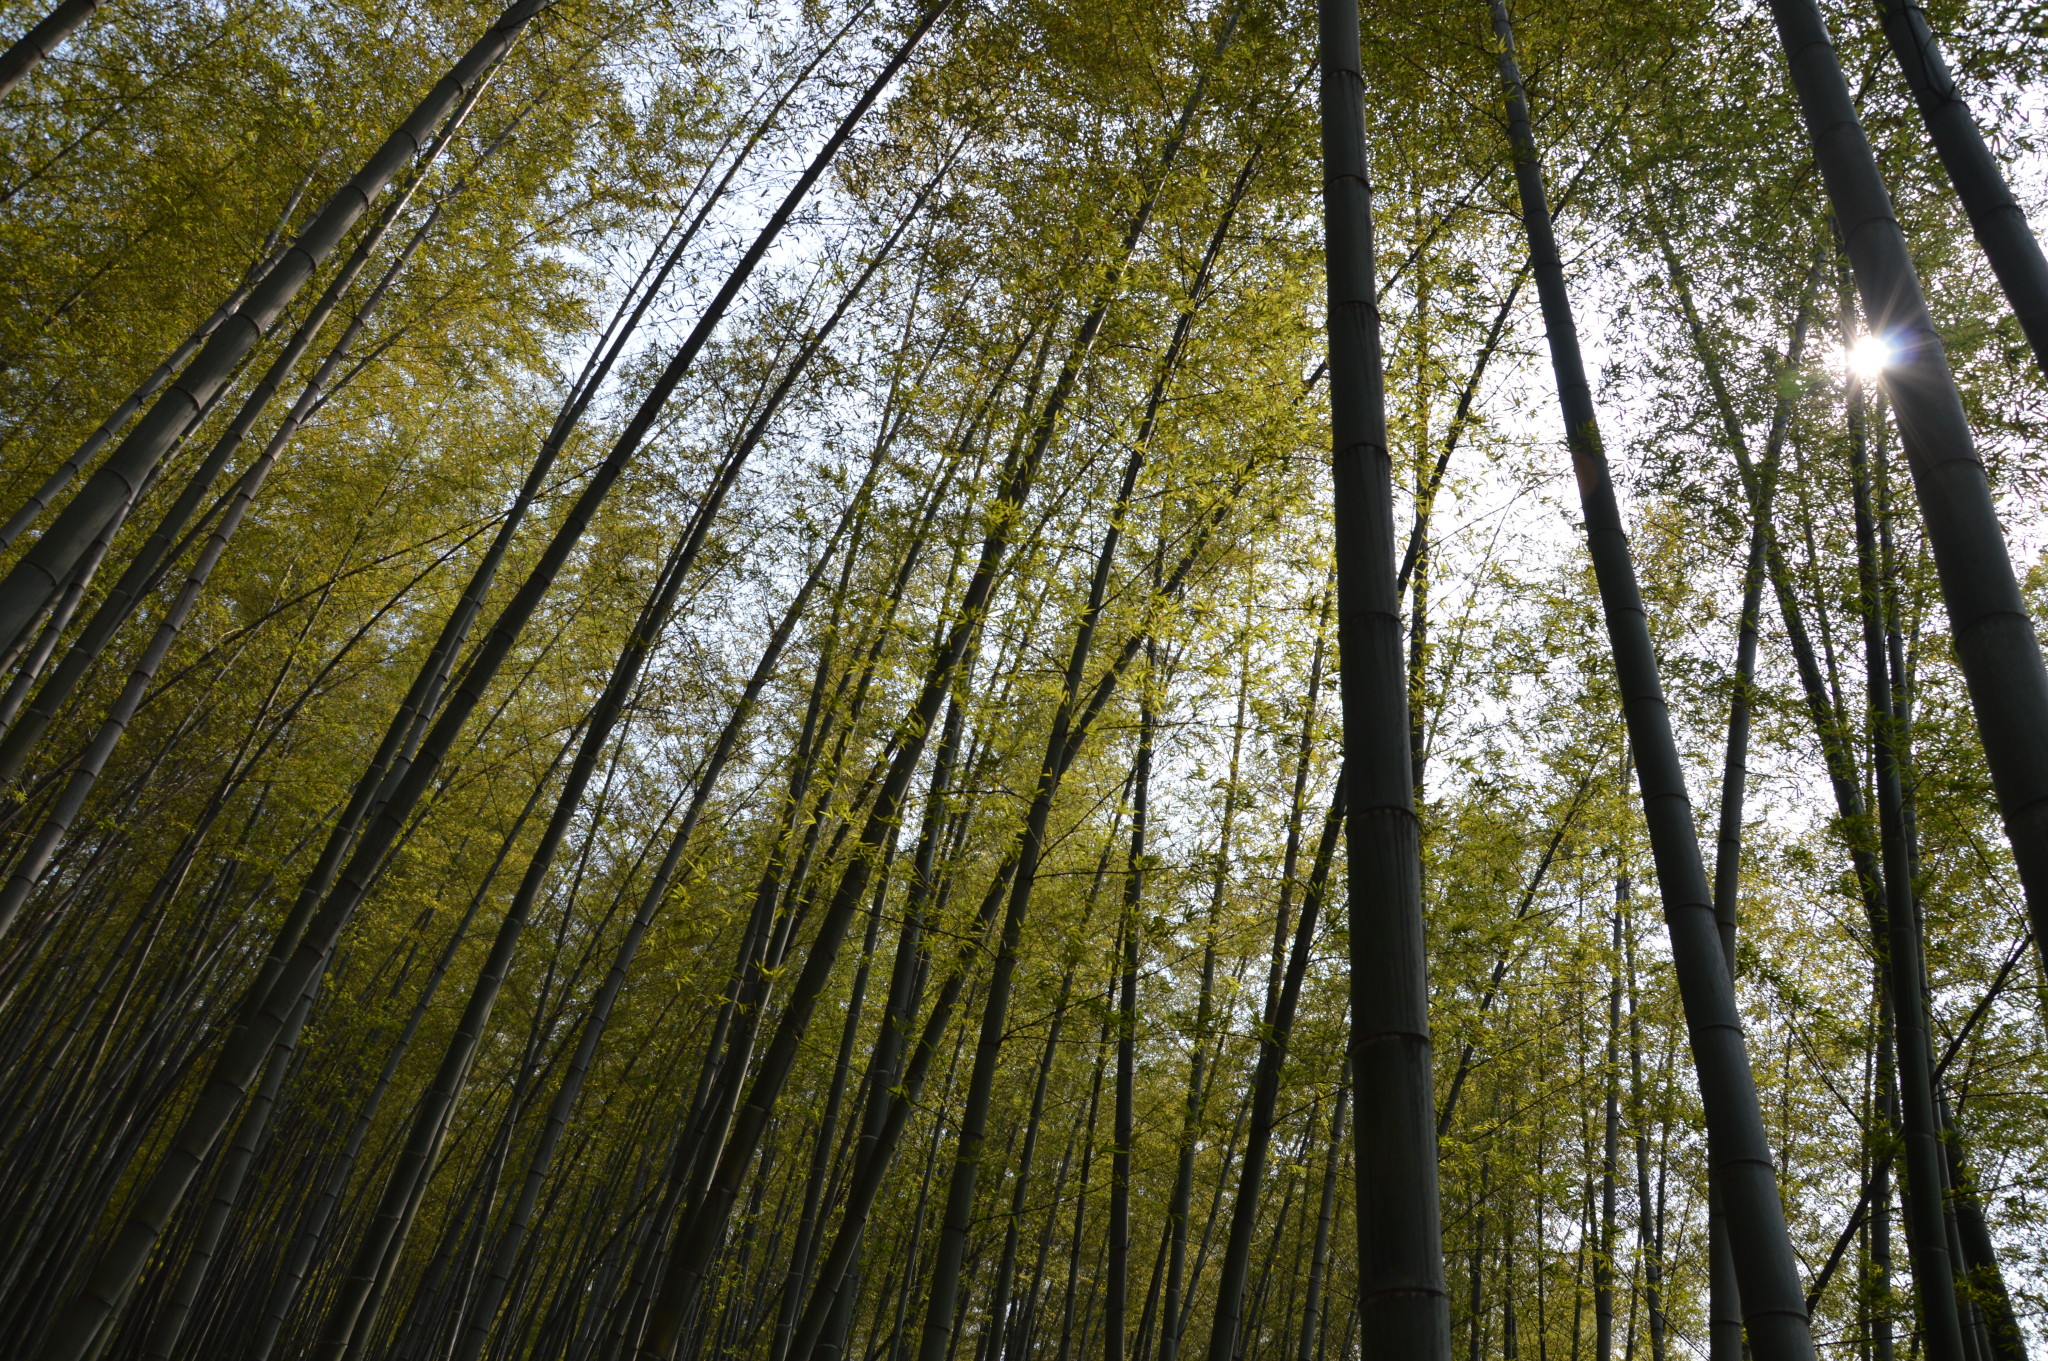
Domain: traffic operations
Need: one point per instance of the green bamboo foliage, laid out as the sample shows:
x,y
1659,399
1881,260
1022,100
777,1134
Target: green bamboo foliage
x,y
745,795
26,590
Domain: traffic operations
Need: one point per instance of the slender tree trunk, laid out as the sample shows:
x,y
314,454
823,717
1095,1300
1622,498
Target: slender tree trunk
x,y
1510,1329
1880,1285
1403,1304
1724,1305
1128,949
1773,1305
1308,1346
1475,1302
804,1251
1273,1038
999,1322
1994,638
1979,1259
1610,1150
1173,1316
1905,972
1648,1237
1724,1293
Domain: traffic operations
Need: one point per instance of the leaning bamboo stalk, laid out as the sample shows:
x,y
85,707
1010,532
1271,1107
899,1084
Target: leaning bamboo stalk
x,y
313,1231
33,47
1311,1343
936,1338
482,1312
1998,221
28,869
866,1182
162,546
1773,1306
1724,1339
352,1312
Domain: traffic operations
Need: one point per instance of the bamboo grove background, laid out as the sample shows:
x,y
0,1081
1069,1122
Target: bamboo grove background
x,y
1050,321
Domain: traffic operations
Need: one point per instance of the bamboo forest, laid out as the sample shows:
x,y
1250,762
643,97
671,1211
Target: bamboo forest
x,y
1023,680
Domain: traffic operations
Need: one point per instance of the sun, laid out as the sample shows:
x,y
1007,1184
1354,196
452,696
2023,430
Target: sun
x,y
1867,357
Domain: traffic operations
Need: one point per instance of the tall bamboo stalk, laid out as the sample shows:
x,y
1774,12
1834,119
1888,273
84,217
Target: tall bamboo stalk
x,y
29,50
1404,1308
1900,952
1998,221
1774,1309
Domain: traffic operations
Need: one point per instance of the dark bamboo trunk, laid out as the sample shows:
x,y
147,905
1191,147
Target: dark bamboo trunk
x,y
1000,1321
1649,1237
1979,1260
1999,222
1610,1150
29,51
1129,947
1724,1307
1774,1308
1403,1305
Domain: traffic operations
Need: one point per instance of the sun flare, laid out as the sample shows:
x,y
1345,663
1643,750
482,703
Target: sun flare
x,y
1867,357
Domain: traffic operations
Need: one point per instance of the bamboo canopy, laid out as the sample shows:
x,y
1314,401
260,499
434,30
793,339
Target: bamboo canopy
x,y
914,679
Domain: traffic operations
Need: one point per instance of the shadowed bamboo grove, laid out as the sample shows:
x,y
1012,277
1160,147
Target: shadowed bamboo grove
x,y
926,680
